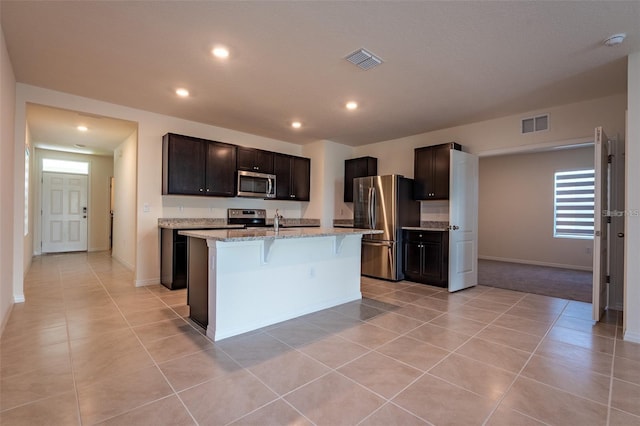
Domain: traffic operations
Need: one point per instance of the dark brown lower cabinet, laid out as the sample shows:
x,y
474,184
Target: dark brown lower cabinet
x,y
173,259
198,280
426,257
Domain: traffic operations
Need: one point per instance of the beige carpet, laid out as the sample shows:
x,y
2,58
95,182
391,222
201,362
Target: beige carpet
x,y
556,282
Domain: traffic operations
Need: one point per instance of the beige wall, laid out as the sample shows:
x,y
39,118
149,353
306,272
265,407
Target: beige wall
x,y
148,172
568,123
7,183
515,211
125,159
327,177
100,171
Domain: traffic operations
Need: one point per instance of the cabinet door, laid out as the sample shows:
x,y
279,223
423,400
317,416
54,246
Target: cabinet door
x,y
301,179
282,170
440,164
255,160
293,177
412,259
357,167
423,173
432,262
264,161
183,165
221,168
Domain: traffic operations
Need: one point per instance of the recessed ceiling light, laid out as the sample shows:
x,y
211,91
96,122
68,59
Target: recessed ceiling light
x,y
82,128
615,39
183,93
351,105
296,124
220,52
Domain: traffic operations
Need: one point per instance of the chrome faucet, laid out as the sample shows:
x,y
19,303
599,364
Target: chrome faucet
x,y
276,221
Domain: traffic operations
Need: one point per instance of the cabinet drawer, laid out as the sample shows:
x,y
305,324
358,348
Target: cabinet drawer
x,y
423,236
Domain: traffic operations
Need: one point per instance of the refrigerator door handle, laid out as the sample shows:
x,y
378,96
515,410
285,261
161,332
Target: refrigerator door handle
x,y
373,208
369,204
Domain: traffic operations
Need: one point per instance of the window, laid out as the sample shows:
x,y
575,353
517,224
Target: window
x,y
64,166
574,204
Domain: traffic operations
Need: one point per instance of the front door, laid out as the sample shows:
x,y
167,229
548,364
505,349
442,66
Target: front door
x,y
64,212
600,234
463,220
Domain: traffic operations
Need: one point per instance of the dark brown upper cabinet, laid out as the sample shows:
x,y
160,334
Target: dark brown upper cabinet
x,y
354,168
293,177
194,166
255,160
431,171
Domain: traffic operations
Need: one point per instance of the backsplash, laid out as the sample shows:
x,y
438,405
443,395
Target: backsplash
x,y
434,211
434,224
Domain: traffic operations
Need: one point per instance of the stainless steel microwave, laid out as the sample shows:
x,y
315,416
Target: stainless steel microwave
x,y
258,185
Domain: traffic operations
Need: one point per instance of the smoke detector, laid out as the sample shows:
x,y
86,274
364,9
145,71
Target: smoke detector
x,y
363,59
615,40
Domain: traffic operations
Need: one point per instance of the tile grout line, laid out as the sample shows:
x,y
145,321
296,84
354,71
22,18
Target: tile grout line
x,y
519,374
613,363
73,373
155,364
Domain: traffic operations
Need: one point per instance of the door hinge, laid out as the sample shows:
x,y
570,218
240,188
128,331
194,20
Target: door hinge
x,y
608,279
608,219
609,157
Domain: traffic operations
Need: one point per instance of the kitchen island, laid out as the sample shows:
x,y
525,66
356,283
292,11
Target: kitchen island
x,y
242,280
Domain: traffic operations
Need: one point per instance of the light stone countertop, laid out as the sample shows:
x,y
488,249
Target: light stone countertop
x,y
221,223
420,228
259,234
192,223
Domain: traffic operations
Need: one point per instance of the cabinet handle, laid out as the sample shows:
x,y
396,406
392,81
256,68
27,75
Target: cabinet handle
x,y
292,196
200,189
207,189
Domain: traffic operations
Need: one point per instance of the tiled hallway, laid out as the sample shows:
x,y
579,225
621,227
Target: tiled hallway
x,y
89,348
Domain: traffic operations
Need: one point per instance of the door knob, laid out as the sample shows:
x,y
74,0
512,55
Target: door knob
x,y
620,234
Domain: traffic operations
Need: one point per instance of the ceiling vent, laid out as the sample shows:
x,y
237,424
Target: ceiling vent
x,y
364,59
535,124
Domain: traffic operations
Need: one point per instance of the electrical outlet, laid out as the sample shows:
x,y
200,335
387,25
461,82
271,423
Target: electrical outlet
x,y
146,208
180,208
588,250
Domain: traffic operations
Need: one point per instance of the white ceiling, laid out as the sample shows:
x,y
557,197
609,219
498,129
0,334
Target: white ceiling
x,y
445,63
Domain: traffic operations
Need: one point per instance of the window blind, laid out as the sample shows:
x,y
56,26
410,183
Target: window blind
x,y
574,204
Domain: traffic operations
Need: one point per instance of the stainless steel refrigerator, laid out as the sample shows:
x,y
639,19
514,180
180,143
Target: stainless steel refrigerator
x,y
385,203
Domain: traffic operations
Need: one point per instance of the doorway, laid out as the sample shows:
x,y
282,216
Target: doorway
x,y
518,246
64,212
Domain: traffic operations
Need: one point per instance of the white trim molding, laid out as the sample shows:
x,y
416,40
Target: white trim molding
x,y
536,263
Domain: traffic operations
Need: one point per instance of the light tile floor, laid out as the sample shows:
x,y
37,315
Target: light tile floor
x,y
89,348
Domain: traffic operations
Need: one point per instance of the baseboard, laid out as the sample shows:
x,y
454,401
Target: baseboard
x,y
149,281
5,320
125,263
630,336
536,263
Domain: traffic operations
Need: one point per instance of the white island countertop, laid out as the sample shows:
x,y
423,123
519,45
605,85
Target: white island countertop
x,y
228,235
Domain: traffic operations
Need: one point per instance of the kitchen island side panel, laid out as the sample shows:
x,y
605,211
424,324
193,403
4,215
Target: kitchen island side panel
x,y
253,284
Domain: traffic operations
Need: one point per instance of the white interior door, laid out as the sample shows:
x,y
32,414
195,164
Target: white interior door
x,y
64,212
463,221
600,234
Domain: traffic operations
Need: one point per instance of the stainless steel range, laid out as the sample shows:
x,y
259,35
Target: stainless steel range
x,y
247,217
